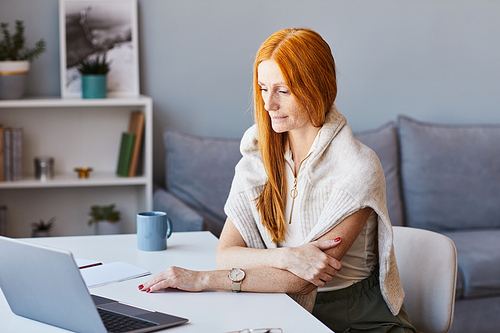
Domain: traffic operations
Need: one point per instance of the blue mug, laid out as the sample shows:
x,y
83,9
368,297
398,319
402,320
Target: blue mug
x,y
153,229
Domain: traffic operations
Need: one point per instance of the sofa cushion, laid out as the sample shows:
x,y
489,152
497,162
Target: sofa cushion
x,y
199,171
182,217
478,261
450,175
384,142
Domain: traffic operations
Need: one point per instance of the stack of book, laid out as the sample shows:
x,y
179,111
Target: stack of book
x,y
11,153
130,146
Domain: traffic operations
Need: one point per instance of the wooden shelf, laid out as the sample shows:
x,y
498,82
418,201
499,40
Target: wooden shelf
x,y
71,180
75,132
49,101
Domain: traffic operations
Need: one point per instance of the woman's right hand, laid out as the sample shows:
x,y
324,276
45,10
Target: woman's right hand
x,y
178,278
311,263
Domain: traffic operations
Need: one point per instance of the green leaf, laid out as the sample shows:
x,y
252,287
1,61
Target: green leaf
x,y
12,47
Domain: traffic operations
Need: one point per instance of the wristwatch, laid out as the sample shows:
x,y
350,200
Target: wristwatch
x,y
236,275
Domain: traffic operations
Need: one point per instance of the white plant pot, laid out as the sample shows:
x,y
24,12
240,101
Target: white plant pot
x,y
13,78
40,233
107,228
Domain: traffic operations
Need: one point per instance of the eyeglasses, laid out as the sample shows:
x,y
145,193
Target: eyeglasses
x,y
259,330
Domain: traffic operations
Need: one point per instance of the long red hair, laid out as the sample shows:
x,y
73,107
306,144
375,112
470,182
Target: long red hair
x,y
308,68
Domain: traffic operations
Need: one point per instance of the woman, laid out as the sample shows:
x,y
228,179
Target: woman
x,y
307,199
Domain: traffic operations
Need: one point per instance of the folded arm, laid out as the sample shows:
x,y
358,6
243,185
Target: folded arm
x,y
315,262
285,270
315,265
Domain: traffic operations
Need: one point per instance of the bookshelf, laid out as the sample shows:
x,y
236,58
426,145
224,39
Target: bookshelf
x,y
76,133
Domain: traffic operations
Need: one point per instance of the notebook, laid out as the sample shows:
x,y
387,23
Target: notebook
x,y
45,284
100,275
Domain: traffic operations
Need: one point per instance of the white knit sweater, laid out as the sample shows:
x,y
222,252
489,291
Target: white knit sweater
x,y
342,176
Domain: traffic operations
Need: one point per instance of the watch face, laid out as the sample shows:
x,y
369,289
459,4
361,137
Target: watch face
x,y
236,274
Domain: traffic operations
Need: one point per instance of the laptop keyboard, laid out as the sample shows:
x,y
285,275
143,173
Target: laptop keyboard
x,y
115,322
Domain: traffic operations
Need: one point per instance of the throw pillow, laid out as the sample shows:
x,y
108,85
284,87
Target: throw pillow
x,y
384,142
450,175
199,171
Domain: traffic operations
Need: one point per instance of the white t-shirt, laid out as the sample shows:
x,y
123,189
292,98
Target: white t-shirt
x,y
359,261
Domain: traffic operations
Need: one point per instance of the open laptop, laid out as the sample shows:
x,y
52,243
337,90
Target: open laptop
x,y
45,284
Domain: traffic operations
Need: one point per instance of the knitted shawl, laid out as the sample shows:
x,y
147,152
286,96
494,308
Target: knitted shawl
x,y
341,177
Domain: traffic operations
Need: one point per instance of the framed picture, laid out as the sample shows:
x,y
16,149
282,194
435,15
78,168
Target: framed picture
x,y
90,28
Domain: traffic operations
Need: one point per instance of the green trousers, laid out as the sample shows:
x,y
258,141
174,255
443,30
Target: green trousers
x,y
360,308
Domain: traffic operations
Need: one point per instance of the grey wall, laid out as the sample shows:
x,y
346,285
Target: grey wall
x,y
432,60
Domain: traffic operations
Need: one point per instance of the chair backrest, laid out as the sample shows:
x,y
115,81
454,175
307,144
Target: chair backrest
x,y
427,263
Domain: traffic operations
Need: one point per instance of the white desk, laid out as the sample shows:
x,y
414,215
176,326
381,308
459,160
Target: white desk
x,y
207,311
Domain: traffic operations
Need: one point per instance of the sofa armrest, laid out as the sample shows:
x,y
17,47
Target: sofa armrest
x,y
183,218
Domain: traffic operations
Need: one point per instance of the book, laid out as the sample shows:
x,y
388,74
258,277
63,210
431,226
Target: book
x,y
17,153
7,153
1,154
112,272
136,126
12,156
125,155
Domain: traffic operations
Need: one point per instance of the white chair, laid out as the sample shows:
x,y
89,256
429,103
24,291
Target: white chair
x,y
427,263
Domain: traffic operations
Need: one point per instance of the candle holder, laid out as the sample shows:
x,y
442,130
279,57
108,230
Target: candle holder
x,y
83,172
44,168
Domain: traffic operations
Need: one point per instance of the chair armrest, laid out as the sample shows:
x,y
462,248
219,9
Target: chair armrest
x,y
183,218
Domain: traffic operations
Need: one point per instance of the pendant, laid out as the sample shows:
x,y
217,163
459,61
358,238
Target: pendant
x,y
293,194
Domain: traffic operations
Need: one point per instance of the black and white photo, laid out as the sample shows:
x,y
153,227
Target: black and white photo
x,y
95,28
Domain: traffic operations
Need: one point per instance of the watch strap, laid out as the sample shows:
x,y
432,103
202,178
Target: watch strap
x,y
236,286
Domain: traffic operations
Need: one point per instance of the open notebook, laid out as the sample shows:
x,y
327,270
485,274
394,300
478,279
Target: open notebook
x,y
102,274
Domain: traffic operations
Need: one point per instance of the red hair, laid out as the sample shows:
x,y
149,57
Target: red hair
x,y
308,69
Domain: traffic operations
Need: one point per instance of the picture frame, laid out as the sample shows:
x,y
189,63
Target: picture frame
x,y
89,28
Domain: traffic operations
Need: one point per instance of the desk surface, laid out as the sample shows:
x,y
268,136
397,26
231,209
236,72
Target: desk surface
x,y
207,311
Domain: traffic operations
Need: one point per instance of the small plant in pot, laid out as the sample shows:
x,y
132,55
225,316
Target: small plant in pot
x,y
105,218
15,60
94,76
42,228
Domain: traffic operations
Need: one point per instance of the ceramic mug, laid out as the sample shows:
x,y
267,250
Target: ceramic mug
x,y
153,229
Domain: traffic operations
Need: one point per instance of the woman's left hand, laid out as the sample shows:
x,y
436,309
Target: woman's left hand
x,y
311,263
175,277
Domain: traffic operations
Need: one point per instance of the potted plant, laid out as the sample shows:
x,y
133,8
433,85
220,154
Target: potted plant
x,y
105,219
94,76
15,60
42,228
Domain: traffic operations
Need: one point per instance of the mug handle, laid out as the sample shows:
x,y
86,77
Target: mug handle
x,y
169,228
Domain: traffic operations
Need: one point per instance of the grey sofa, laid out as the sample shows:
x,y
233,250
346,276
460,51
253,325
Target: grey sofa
x,y
439,177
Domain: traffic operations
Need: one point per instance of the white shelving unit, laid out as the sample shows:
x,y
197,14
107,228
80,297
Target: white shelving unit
x,y
76,133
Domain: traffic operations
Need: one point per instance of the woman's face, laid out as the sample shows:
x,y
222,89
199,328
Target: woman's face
x,y
279,102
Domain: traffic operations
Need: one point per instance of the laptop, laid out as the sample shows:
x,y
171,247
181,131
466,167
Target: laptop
x,y
45,284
